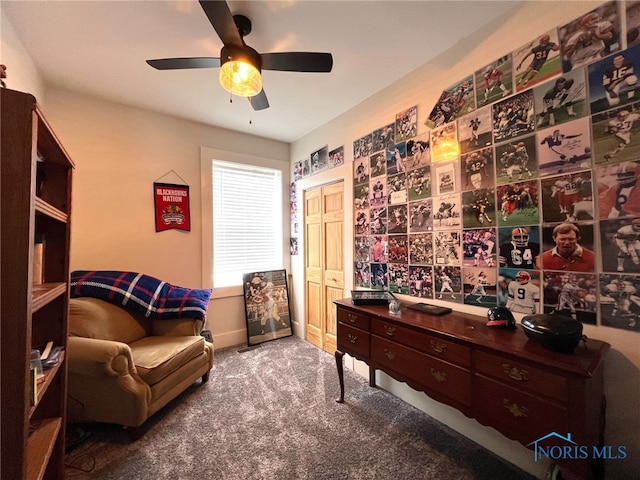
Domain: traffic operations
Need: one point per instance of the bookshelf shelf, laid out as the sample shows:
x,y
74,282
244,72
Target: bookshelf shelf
x,y
49,376
44,208
45,293
40,446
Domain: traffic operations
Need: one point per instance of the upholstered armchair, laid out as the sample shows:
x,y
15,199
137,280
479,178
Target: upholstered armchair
x,y
124,367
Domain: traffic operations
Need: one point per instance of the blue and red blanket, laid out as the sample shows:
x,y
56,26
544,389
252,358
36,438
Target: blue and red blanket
x,y
141,293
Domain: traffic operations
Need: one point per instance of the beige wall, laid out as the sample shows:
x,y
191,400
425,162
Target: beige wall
x,y
423,88
120,151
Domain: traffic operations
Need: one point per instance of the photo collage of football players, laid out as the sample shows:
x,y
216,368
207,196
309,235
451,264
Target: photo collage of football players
x,y
527,173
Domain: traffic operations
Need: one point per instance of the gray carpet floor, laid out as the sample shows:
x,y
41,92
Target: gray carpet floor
x,y
270,413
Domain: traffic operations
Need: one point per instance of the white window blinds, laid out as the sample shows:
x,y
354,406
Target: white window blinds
x,y
247,221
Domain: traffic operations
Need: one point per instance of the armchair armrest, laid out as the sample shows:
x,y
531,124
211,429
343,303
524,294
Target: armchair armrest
x,y
93,356
104,384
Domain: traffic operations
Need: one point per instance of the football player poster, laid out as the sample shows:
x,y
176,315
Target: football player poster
x,y
518,203
620,240
561,100
537,60
519,290
564,148
618,192
613,81
615,135
567,197
478,208
494,81
266,303
475,130
518,247
516,160
590,37
620,301
571,294
479,286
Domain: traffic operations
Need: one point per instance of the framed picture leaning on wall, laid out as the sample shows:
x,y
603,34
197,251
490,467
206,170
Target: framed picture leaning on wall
x,y
266,305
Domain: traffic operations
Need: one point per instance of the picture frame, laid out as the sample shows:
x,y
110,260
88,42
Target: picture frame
x,y
266,304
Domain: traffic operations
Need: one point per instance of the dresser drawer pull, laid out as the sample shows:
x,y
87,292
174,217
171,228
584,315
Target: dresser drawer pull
x,y
390,355
353,338
439,376
515,409
389,330
438,347
515,372
353,318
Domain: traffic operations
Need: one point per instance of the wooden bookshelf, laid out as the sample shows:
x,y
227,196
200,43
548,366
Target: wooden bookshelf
x,y
36,189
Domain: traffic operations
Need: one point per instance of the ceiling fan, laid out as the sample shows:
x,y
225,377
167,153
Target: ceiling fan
x,y
240,64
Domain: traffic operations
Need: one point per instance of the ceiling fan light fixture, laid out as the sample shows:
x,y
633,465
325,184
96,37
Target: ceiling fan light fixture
x,y
240,72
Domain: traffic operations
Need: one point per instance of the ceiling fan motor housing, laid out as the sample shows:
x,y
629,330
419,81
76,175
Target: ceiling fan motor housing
x,y
241,54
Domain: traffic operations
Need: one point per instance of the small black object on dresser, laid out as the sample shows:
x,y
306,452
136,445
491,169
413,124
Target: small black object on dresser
x,y
555,332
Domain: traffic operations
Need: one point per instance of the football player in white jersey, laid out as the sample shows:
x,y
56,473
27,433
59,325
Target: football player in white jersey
x,y
620,127
619,80
627,240
523,296
587,44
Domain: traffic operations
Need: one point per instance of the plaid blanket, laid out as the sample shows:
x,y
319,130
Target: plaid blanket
x,y
141,293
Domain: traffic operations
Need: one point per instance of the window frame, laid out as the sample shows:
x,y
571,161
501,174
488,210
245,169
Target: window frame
x,y
207,156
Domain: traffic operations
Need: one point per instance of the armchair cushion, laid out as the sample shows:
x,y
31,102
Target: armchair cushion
x,y
179,326
157,357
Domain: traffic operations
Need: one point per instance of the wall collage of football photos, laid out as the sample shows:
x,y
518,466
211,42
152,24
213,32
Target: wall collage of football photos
x,y
523,191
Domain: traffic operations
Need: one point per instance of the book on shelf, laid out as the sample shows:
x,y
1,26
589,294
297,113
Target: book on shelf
x,y
34,385
38,260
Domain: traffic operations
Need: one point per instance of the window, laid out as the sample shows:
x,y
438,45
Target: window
x,y
247,221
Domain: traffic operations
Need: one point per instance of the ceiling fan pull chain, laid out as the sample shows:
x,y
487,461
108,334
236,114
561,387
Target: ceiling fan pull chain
x,y
250,110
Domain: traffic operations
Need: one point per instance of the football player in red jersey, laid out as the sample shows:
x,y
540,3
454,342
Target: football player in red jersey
x,y
493,79
617,189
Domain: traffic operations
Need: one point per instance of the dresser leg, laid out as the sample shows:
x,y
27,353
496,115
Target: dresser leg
x,y
339,366
372,377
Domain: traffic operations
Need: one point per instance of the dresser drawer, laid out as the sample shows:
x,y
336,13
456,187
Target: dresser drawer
x,y
445,378
353,341
522,375
431,344
353,319
518,414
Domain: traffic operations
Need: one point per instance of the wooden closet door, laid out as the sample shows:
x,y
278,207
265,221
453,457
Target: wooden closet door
x,y
324,262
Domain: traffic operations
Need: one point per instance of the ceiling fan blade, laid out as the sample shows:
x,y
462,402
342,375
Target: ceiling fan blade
x,y
183,63
297,61
222,21
260,101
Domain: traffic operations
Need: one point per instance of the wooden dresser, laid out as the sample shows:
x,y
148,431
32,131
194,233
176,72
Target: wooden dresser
x,y
496,376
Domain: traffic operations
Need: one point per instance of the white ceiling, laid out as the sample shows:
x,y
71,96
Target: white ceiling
x,y
100,47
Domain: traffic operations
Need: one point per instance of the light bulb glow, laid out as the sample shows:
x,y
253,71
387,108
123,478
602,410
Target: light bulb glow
x,y
240,78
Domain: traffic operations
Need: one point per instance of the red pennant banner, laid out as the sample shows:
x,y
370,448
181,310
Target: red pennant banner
x,y
171,206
